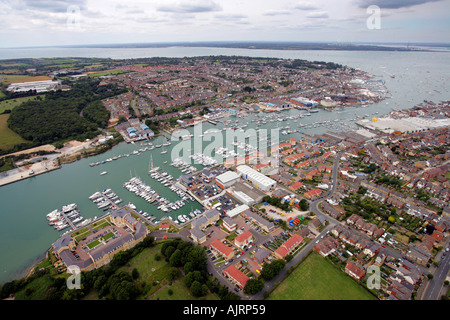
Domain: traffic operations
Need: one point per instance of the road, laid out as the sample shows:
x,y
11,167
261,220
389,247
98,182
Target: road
x,y
432,291
297,258
435,285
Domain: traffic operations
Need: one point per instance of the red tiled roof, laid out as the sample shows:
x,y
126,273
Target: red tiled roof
x,y
223,249
237,275
355,270
243,236
292,242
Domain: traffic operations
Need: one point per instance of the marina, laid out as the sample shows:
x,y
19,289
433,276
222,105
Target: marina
x,y
68,216
106,199
23,227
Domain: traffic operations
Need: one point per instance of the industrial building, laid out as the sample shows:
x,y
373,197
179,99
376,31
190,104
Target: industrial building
x,y
256,178
227,179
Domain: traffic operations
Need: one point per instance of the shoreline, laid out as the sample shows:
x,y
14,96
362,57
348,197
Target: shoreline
x,y
57,164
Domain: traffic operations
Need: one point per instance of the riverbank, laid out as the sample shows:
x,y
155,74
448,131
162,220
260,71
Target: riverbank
x,y
71,152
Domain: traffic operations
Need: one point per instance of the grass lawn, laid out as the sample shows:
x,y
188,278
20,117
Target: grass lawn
x,y
108,72
93,244
36,289
8,138
155,276
151,271
317,279
12,103
179,292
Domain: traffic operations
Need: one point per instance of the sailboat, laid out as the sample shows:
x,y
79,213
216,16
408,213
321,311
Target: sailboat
x,y
164,151
151,169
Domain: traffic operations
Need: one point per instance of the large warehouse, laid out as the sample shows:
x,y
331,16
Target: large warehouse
x,y
227,179
256,178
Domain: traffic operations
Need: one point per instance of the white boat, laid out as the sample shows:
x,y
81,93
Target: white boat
x,y
103,173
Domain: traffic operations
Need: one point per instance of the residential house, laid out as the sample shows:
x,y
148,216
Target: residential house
x,y
261,256
236,276
229,224
288,246
221,249
327,246
198,235
354,270
244,239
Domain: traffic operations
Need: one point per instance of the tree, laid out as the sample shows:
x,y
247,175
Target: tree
x,y
304,205
269,271
174,273
253,286
391,219
169,251
193,276
135,273
175,258
197,257
197,289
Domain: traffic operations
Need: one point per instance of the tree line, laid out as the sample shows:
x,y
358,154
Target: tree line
x,y
192,259
72,114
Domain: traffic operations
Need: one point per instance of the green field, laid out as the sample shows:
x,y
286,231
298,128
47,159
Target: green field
x,y
155,274
12,103
108,72
317,279
8,138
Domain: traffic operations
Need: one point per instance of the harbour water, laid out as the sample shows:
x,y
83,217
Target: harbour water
x,y
24,231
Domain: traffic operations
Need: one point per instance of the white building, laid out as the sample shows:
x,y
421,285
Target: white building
x,y
256,178
39,86
227,179
238,210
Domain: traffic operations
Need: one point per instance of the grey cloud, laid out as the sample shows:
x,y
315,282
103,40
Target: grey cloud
x,y
55,6
230,16
305,5
277,13
389,4
190,6
319,14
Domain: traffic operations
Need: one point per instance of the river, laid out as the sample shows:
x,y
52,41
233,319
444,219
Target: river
x,y
24,232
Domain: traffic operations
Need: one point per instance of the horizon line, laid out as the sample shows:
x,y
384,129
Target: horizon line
x,y
172,43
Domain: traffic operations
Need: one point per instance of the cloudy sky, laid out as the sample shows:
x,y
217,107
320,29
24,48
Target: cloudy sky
x,y
73,22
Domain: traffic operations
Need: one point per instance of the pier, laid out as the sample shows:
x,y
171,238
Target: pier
x,y
68,221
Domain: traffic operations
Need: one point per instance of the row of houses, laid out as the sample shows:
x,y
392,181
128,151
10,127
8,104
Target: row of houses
x,y
371,229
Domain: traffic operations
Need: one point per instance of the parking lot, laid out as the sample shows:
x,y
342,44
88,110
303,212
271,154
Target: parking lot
x,y
277,213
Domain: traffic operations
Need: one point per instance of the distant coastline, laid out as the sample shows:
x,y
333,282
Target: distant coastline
x,y
268,45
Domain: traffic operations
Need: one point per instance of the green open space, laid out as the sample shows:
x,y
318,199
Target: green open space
x,y
108,72
107,236
93,244
179,291
12,103
8,138
317,279
101,224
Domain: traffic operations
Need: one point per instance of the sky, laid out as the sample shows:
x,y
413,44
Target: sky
x,y
76,22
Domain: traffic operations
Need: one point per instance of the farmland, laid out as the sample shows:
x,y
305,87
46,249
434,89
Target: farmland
x,y
318,279
8,138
